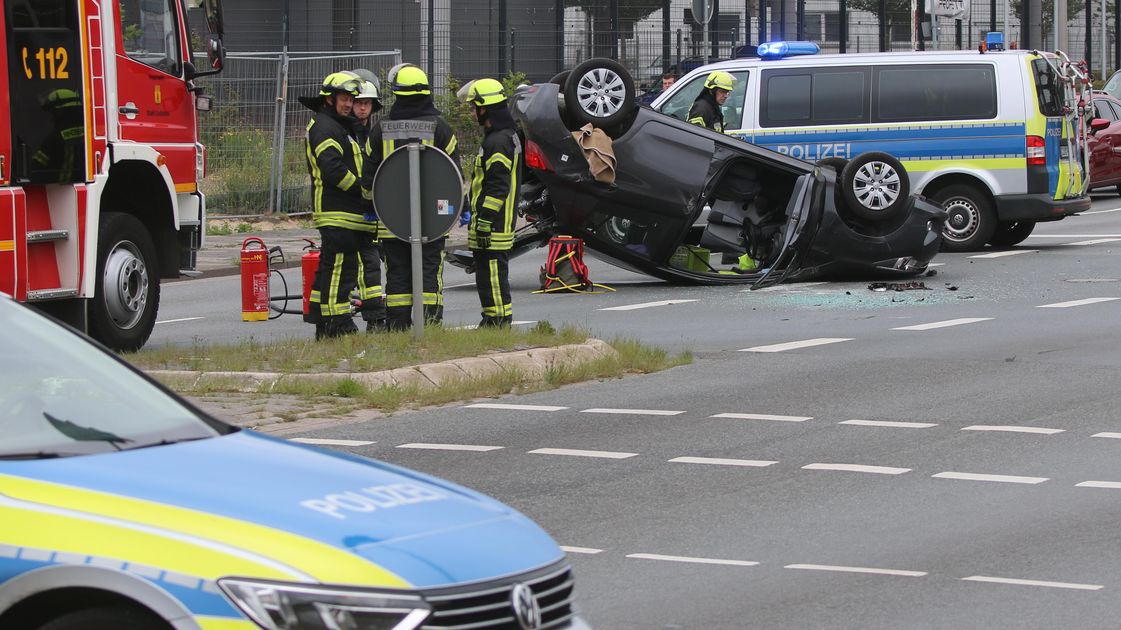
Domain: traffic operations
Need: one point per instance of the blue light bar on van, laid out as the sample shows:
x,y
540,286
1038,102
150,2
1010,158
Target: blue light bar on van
x,y
778,50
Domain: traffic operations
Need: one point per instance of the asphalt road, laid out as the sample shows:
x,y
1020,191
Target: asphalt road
x,y
834,458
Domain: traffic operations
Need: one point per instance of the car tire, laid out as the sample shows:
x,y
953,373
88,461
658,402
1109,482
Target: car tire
x,y
127,285
835,163
971,222
601,92
1010,233
107,618
875,186
560,78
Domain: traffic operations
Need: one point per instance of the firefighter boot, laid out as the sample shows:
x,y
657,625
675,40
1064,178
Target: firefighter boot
x,y
336,326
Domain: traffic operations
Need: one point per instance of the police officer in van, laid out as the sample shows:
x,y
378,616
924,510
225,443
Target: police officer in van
x,y
706,110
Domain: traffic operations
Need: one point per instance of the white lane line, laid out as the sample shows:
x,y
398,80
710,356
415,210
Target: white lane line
x,y
1095,241
514,407
633,412
794,345
326,442
842,569
585,550
450,447
1078,235
1114,485
945,324
1011,252
517,322
877,470
1000,580
980,477
1084,302
579,453
1107,434
656,556
634,307
885,423
181,319
762,416
935,264
718,461
1012,429
458,286
1106,211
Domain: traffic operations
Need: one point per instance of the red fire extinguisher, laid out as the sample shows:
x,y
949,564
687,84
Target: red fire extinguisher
x,y
254,280
309,263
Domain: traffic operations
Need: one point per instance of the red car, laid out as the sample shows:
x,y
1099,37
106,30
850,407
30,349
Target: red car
x,y
1105,142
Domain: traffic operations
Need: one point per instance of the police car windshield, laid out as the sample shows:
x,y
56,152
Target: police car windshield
x,y
62,396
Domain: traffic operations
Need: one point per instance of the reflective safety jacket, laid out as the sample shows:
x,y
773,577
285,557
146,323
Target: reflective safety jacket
x,y
706,112
494,188
335,159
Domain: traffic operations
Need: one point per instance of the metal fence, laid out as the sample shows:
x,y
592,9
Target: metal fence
x,y
254,136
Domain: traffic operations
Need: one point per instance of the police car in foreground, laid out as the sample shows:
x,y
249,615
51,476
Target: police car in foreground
x,y
124,507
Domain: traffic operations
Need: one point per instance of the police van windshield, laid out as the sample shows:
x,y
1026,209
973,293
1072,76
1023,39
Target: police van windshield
x,y
62,396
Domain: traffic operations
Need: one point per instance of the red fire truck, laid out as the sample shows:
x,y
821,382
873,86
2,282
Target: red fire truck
x,y
100,157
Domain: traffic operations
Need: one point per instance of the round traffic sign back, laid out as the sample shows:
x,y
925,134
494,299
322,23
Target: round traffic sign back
x,y
441,192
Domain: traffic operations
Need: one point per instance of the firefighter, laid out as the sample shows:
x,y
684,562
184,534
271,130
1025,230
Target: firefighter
x,y
493,202
413,102
706,110
62,150
335,163
372,308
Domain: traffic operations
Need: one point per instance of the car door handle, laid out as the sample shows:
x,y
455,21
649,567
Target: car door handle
x,y
128,109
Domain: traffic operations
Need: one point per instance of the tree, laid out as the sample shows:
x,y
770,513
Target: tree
x,y
1074,7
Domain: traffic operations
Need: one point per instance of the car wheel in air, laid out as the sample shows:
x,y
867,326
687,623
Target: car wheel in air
x,y
971,220
560,78
127,285
1011,233
835,163
875,186
600,92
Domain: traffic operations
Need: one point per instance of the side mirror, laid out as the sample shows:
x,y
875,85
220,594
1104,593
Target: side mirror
x,y
1098,124
216,53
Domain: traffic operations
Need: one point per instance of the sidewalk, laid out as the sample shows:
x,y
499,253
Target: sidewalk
x,y
220,254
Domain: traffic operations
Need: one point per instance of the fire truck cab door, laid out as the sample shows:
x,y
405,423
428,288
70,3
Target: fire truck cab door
x,y
154,106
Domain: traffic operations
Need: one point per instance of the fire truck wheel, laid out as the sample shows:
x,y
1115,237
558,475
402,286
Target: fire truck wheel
x,y
128,284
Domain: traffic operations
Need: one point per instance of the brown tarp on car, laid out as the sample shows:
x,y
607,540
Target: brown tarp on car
x,y
597,150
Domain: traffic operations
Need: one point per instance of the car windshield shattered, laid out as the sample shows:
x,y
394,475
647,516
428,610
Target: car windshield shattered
x,y
62,396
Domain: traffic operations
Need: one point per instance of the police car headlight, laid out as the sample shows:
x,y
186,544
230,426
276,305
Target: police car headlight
x,y
286,606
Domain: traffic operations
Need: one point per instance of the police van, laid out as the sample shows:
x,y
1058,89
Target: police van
x,y
993,137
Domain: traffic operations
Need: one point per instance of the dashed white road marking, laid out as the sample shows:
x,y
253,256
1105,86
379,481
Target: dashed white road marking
x,y
1000,580
945,323
1084,302
982,477
327,442
785,287
718,461
1012,429
1079,235
794,345
1095,241
181,319
656,556
517,322
514,407
450,447
877,470
1114,485
1011,252
581,453
1107,434
842,569
634,307
633,412
584,550
762,416
889,424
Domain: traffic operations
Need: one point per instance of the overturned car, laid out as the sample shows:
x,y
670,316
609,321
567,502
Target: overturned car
x,y
691,205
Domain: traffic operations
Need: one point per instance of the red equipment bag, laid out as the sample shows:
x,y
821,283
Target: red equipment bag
x,y
564,268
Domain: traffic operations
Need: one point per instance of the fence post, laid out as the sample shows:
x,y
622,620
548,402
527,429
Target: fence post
x,y
276,200
665,37
843,17
513,49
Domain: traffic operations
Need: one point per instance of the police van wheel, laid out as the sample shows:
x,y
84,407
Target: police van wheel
x,y
601,92
1011,233
875,186
107,618
971,221
127,285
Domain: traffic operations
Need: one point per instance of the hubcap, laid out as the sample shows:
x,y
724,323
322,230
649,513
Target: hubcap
x,y
125,284
601,92
963,219
617,229
876,185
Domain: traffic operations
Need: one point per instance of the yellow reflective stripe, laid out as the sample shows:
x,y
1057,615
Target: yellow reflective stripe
x,y
348,181
500,159
452,144
492,203
314,297
988,164
332,308
322,561
399,299
348,220
369,293
329,143
495,289
316,178
698,120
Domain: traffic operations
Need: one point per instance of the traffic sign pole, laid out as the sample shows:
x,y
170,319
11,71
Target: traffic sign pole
x,y
415,239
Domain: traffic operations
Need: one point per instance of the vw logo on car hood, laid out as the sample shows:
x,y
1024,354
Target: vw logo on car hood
x,y
526,610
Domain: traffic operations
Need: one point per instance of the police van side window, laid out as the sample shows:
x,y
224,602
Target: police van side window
x,y
148,29
1048,88
823,96
681,102
935,92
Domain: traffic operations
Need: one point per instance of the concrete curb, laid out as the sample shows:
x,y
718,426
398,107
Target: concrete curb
x,y
534,364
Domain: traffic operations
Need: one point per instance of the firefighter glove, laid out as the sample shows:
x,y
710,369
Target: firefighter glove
x,y
482,233
465,217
